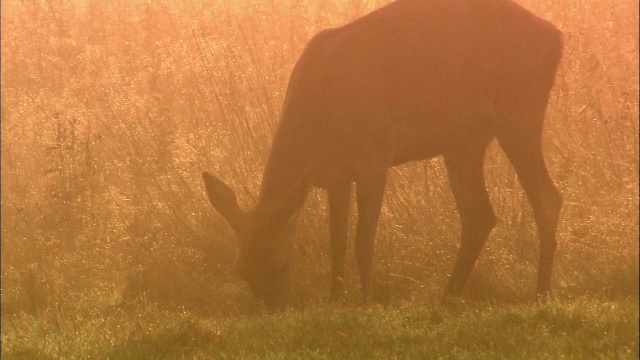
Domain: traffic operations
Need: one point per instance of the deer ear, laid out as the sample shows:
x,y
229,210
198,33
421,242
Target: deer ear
x,y
224,201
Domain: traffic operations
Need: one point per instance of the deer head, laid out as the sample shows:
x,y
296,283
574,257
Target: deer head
x,y
266,255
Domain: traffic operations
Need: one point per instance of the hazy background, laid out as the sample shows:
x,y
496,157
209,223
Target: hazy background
x,y
111,111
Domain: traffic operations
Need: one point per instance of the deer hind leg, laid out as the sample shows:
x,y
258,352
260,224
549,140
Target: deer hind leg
x,y
465,169
339,206
524,150
370,191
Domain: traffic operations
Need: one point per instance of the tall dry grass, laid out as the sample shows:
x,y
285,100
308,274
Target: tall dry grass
x,y
111,111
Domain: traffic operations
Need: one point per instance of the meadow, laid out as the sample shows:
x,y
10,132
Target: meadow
x,y
112,110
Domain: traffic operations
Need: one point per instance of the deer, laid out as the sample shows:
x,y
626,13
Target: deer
x,y
410,81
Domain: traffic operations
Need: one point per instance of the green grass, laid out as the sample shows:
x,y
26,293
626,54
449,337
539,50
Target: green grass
x,y
575,329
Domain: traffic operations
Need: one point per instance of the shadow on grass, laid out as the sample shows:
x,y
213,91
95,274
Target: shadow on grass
x,y
178,341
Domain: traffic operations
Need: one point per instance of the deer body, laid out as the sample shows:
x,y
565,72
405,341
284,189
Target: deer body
x,y
410,81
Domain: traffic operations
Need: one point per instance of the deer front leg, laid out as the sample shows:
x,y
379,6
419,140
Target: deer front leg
x,y
370,191
339,204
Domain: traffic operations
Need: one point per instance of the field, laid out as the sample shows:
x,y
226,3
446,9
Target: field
x,y
112,110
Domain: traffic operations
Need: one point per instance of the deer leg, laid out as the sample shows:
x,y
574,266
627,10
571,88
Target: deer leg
x,y
339,206
370,191
465,168
525,153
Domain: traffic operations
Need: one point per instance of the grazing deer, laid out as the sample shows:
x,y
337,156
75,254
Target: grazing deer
x,y
410,81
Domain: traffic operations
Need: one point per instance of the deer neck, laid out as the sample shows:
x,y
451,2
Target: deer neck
x,y
286,180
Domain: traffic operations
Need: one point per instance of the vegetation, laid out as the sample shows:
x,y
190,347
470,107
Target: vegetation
x,y
408,330
111,111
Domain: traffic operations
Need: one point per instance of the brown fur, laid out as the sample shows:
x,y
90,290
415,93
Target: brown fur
x,y
412,80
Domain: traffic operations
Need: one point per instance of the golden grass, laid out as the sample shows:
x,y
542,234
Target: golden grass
x,y
110,112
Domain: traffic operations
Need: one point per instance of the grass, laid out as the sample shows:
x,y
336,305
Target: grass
x,y
578,328
110,112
